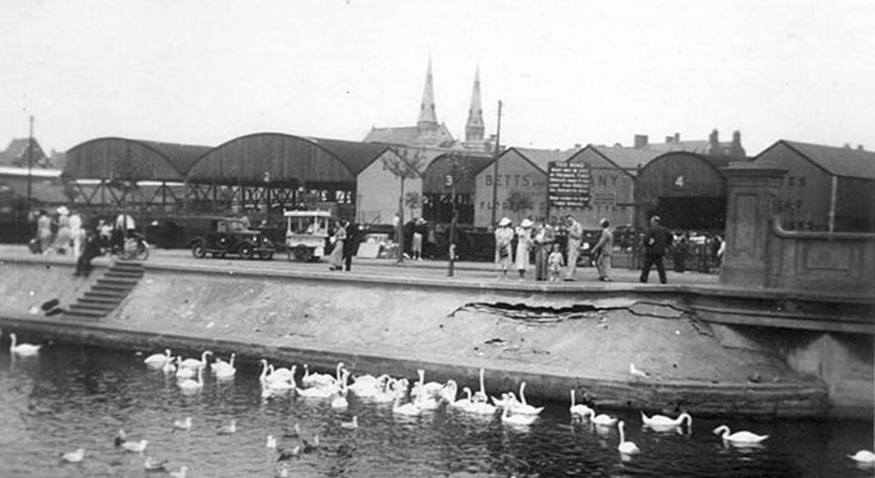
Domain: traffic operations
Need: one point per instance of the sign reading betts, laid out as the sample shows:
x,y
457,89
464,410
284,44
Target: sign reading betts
x,y
568,185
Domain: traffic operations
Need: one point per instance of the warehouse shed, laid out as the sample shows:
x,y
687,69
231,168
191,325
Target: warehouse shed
x,y
825,188
437,197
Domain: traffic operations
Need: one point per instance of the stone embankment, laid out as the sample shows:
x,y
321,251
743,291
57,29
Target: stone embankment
x,y
554,341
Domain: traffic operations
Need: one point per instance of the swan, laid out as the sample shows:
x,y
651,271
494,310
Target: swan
x,y
352,425
340,402
320,379
462,403
449,391
601,419
580,410
189,385
135,446
182,424
315,392
522,406
271,442
741,438
387,393
22,349
182,473
183,372
225,370
283,373
507,399
151,465
74,456
481,396
430,388
368,386
195,363
273,382
638,373
863,458
427,399
168,367
626,447
230,428
664,423
409,409
513,418
219,364
158,360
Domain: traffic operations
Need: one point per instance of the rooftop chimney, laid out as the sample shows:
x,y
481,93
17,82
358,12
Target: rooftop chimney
x,y
669,139
677,137
640,141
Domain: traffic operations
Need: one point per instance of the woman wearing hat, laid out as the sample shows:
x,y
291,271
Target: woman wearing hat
x,y
503,247
523,246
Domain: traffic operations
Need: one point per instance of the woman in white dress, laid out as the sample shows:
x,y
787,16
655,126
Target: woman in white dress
x,y
523,246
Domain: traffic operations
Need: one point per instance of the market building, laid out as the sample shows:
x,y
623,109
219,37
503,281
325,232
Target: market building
x,y
825,188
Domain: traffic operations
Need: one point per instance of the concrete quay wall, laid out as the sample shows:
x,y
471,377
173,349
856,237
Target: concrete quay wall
x,y
553,340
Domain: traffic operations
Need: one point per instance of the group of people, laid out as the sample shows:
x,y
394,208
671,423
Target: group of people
x,y
344,240
540,237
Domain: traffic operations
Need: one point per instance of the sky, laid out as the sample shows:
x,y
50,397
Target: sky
x,y
567,72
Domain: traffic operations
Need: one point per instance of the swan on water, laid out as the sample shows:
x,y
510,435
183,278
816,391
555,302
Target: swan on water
x,y
182,372
158,360
195,363
230,428
741,438
422,388
340,402
320,379
464,402
625,447
169,367
151,465
74,456
220,367
579,410
664,423
182,424
189,385
351,425
388,392
271,442
448,391
638,373
409,409
507,399
182,473
480,395
22,349
522,406
602,420
135,446
509,417
864,458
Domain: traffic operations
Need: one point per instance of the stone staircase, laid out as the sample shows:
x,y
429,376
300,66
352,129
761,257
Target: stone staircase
x,y
109,291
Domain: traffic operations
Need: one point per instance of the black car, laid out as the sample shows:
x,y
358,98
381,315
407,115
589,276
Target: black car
x,y
224,235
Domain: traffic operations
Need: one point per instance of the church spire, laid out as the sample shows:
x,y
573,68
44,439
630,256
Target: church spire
x,y
427,116
475,129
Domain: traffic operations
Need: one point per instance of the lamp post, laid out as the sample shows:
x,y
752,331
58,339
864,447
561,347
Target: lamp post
x,y
451,180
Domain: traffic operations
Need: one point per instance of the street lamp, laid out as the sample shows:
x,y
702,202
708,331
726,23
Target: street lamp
x,y
450,182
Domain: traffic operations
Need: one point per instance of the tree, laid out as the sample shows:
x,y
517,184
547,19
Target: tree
x,y
518,201
404,164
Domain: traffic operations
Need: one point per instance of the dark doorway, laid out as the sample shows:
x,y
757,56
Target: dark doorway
x,y
691,214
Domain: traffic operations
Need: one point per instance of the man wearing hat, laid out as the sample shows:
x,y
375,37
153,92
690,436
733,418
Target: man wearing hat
x,y
656,241
575,236
523,246
603,251
503,247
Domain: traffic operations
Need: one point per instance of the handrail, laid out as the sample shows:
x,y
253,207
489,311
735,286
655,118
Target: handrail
x,y
784,233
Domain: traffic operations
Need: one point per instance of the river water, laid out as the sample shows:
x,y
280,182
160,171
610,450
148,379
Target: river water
x,y
73,397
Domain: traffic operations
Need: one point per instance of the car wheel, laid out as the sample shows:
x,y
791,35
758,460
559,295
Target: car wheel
x,y
198,250
245,251
266,256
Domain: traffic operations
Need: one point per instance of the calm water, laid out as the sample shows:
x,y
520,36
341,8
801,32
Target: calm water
x,y
75,397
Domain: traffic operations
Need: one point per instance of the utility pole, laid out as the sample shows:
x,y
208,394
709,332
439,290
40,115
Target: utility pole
x,y
452,179
29,164
495,154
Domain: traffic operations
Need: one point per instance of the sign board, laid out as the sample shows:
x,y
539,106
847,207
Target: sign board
x,y
568,185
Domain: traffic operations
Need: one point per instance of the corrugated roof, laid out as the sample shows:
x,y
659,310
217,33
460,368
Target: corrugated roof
x,y
113,157
543,157
183,156
845,162
626,158
356,155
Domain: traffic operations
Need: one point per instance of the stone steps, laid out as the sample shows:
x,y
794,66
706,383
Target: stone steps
x,y
108,292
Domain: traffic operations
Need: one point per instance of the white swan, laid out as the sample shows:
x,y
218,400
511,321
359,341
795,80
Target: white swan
x,y
271,442
189,385
368,386
158,360
22,349
74,456
182,372
481,396
224,370
512,418
387,393
626,447
863,458
507,399
182,424
522,406
340,402
320,379
151,465
230,428
636,372
664,423
137,447
423,388
409,409
220,364
742,438
464,402
579,410
195,363
449,391
182,473
601,419
351,425
168,367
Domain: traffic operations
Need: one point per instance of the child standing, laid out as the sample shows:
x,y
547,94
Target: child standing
x,y
555,263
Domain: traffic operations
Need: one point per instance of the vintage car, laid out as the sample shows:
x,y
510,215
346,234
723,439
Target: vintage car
x,y
307,234
225,235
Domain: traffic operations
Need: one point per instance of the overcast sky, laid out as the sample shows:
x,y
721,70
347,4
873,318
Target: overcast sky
x,y
204,72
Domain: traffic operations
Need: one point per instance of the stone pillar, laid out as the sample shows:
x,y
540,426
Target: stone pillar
x,y
751,197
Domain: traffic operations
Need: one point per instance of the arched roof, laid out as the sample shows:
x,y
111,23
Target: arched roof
x,y
124,158
683,174
286,159
434,176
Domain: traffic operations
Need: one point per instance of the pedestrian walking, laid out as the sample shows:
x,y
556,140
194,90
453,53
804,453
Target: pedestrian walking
x,y
656,241
523,247
503,247
419,231
575,236
44,231
603,251
90,250
351,244
339,237
63,238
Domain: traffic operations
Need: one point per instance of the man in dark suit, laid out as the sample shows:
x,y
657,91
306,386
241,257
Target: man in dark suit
x,y
351,244
656,241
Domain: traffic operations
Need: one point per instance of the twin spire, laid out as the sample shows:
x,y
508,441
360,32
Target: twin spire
x,y
474,129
